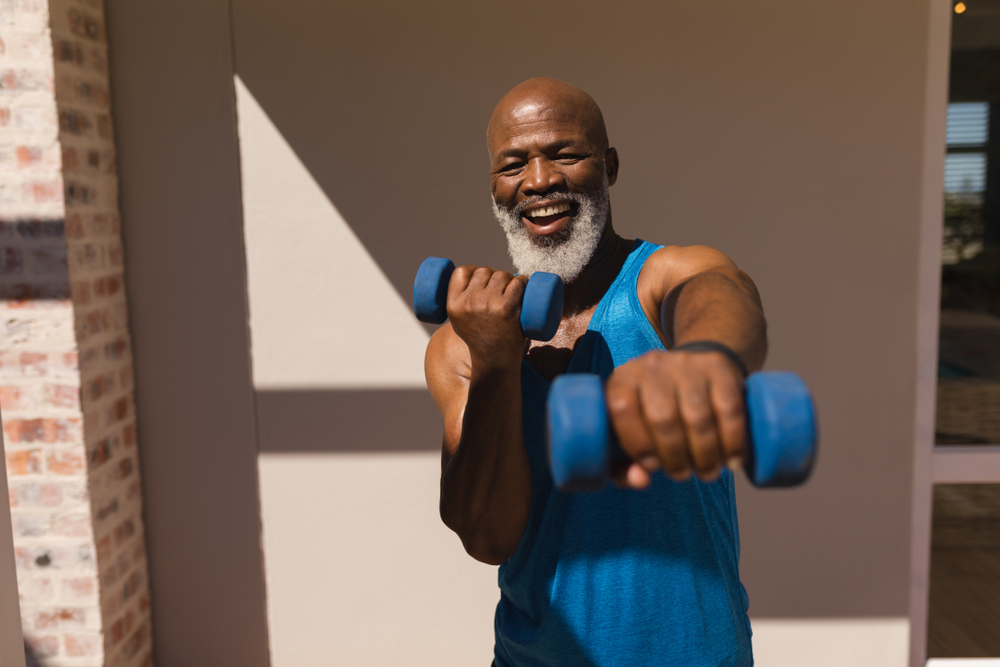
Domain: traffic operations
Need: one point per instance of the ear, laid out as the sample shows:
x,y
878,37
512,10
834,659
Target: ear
x,y
611,164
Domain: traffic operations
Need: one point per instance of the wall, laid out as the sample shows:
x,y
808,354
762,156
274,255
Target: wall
x,y
66,364
791,136
182,228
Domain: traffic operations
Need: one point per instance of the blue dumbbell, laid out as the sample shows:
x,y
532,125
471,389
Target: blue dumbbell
x,y
541,307
782,430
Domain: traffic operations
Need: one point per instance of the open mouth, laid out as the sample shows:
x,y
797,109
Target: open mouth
x,y
548,218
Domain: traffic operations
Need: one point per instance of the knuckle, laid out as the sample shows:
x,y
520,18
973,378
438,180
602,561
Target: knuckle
x,y
729,409
619,403
663,420
698,420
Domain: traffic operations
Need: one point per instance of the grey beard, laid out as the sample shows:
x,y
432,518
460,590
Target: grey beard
x,y
566,253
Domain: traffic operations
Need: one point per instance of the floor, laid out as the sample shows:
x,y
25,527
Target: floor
x,y
964,616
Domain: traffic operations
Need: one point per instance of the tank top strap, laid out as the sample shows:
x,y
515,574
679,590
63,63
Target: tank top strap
x,y
619,329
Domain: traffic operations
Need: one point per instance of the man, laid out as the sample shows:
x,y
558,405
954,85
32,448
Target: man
x,y
644,573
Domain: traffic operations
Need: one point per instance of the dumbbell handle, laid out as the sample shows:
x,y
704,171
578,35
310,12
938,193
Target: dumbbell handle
x,y
781,418
541,305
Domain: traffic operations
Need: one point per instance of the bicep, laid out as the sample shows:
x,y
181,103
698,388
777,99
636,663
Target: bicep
x,y
671,269
446,367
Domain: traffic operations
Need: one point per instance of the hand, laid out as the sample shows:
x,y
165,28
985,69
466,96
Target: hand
x,y
679,411
484,308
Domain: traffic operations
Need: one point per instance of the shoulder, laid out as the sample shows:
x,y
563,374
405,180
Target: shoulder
x,y
671,265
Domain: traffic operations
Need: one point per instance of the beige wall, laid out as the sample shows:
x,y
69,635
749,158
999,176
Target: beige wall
x,y
178,158
790,135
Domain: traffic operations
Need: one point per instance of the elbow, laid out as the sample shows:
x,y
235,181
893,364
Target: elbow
x,y
482,544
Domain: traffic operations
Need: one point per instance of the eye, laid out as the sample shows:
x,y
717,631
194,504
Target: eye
x,y
510,167
570,157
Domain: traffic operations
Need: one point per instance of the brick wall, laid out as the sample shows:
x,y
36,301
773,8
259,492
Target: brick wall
x,y
65,355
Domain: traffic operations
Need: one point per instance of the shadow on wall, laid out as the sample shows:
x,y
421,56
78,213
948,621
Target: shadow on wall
x,y
380,420
33,264
29,658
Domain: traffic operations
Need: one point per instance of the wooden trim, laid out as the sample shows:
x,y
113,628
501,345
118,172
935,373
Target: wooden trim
x,y
978,464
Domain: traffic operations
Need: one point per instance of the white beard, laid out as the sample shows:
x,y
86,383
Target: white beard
x,y
565,253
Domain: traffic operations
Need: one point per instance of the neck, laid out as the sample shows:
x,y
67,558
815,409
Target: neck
x,y
602,269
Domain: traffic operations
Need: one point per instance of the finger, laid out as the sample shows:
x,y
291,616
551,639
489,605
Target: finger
x,y
624,408
699,426
480,277
516,286
630,475
499,281
661,412
460,279
730,417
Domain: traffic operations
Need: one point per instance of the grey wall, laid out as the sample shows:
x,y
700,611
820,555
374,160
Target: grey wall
x,y
174,109
787,134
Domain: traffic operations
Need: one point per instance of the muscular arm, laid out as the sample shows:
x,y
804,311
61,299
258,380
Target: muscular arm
x,y
683,411
485,476
697,293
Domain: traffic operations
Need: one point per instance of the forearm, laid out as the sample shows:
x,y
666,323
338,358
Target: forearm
x,y
721,305
486,481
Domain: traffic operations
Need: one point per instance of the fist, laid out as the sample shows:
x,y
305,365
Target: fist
x,y
484,308
679,411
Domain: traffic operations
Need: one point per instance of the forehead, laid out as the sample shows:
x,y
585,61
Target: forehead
x,y
538,123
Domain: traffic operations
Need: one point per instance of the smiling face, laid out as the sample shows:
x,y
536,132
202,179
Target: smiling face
x,y
550,172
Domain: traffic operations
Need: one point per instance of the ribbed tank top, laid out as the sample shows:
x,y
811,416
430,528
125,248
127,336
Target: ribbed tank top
x,y
621,578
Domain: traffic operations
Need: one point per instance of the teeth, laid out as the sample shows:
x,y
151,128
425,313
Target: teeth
x,y
549,210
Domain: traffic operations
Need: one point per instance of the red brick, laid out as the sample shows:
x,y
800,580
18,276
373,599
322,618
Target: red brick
x,y
74,226
104,126
28,156
34,364
104,548
79,587
25,462
35,494
42,430
62,396
60,619
81,292
65,463
128,435
14,398
73,525
50,192
69,159
118,411
81,646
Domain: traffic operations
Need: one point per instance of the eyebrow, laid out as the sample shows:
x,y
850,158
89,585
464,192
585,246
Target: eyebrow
x,y
554,146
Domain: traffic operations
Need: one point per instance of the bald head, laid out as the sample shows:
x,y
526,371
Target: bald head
x,y
544,97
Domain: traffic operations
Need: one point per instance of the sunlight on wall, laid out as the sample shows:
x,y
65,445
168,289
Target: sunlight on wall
x,y
322,313
831,642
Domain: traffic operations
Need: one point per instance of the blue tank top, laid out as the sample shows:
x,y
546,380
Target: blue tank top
x,y
621,578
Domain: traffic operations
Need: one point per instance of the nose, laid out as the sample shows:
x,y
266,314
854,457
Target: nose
x,y
541,177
